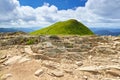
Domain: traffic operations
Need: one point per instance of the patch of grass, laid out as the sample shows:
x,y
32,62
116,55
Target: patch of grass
x,y
69,27
30,41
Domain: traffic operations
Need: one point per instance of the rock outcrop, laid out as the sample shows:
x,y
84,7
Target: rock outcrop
x,y
60,58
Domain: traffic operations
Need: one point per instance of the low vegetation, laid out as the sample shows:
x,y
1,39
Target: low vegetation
x,y
69,27
30,41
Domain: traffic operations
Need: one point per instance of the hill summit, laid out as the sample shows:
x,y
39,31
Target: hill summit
x,y
69,27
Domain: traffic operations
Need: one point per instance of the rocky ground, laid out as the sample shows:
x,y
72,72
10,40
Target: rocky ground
x,y
59,58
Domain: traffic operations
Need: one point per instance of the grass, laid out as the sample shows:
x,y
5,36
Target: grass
x,y
30,41
69,27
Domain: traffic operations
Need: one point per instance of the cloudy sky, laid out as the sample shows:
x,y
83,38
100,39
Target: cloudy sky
x,y
41,13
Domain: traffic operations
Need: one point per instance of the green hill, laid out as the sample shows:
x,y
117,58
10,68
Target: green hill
x,y
69,27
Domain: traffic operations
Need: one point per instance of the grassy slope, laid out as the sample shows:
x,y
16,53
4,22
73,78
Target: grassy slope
x,y
69,27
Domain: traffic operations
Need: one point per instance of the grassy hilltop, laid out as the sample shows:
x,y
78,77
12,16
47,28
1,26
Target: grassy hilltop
x,y
69,27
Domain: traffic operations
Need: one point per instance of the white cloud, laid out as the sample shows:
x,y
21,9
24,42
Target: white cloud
x,y
105,8
95,13
107,11
8,6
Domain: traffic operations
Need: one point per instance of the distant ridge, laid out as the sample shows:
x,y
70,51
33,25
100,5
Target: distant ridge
x,y
106,31
69,27
4,30
8,30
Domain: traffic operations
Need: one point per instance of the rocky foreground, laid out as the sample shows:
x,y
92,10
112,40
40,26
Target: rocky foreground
x,y
59,58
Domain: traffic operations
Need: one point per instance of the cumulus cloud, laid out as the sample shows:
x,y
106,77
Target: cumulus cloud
x,y
105,8
6,9
95,13
8,6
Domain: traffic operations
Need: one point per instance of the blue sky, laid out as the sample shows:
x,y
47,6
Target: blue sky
x,y
61,4
41,13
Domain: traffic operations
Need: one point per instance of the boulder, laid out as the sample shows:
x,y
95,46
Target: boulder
x,y
85,77
38,72
79,63
57,73
51,64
